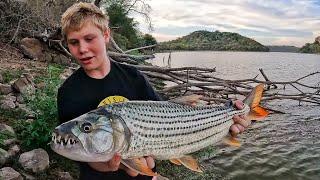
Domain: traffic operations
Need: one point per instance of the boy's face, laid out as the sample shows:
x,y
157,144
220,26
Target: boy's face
x,y
88,46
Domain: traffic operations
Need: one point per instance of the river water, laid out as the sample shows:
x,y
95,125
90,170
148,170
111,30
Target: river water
x,y
283,146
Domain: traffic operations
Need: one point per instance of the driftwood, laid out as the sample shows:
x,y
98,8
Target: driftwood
x,y
203,80
217,90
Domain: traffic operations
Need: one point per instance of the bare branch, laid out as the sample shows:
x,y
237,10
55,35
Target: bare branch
x,y
17,30
139,48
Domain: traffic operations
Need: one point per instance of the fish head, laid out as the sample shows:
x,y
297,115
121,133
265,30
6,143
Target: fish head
x,y
92,137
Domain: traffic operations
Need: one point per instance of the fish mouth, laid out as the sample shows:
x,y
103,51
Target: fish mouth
x,y
67,141
71,147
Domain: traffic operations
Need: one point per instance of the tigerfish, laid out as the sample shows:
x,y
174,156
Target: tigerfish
x,y
165,130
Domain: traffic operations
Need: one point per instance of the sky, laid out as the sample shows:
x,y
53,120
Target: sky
x,y
270,22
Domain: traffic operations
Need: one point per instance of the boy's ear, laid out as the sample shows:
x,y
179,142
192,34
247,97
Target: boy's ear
x,y
106,34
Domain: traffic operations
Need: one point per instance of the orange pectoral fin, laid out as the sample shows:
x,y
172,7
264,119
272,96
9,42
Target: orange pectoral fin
x,y
257,113
138,166
190,163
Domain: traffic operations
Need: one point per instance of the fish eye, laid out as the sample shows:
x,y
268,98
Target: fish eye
x,y
86,127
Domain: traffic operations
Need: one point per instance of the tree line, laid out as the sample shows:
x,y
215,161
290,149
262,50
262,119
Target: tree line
x,y
35,18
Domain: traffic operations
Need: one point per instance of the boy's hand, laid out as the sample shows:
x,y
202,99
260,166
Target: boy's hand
x,y
108,166
114,164
240,124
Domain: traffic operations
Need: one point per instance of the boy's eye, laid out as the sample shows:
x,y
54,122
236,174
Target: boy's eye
x,y
88,39
72,42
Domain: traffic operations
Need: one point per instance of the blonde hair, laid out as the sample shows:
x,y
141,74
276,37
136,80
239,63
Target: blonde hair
x,y
76,15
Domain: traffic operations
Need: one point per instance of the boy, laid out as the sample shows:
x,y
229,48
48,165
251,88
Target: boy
x,y
86,32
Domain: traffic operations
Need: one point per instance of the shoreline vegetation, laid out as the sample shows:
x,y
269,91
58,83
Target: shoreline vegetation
x,y
216,41
228,41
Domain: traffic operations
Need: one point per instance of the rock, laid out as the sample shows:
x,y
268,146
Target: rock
x,y
7,105
8,130
64,176
20,98
32,48
61,59
41,85
7,173
10,97
4,155
10,141
13,150
30,121
48,57
36,160
24,84
8,102
4,127
25,109
5,89
317,40
28,176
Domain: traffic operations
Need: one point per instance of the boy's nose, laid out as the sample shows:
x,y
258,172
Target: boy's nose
x,y
83,48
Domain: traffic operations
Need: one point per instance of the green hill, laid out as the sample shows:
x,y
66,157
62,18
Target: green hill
x,y
216,41
311,47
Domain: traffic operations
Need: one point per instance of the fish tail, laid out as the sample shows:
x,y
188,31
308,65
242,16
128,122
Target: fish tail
x,y
253,101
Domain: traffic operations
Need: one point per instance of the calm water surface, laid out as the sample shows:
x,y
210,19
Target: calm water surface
x,y
284,146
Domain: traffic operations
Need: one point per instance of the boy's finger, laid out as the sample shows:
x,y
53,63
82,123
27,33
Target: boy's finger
x,y
240,127
234,130
150,162
238,104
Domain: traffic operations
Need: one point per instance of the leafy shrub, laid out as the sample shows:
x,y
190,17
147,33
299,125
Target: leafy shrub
x,y
43,103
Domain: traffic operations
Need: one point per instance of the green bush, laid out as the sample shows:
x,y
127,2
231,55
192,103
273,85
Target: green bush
x,y
43,103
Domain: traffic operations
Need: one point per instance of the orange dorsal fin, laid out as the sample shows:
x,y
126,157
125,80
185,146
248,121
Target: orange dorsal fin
x,y
138,166
190,163
253,100
191,100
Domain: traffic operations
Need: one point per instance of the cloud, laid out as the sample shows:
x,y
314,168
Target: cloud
x,y
292,21
164,37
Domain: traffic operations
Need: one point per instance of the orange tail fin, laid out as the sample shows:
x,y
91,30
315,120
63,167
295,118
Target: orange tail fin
x,y
252,100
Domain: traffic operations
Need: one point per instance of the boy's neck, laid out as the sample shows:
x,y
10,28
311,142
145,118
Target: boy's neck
x,y
100,72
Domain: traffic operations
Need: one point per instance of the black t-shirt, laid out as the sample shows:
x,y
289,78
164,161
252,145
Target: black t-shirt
x,y
80,94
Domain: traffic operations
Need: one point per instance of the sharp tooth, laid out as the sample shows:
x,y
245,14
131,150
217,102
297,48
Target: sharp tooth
x,y
64,141
69,144
59,139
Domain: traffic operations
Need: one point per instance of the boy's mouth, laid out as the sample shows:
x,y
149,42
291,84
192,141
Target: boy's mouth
x,y
86,60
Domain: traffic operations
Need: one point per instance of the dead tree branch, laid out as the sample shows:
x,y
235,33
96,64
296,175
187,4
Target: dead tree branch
x,y
139,48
